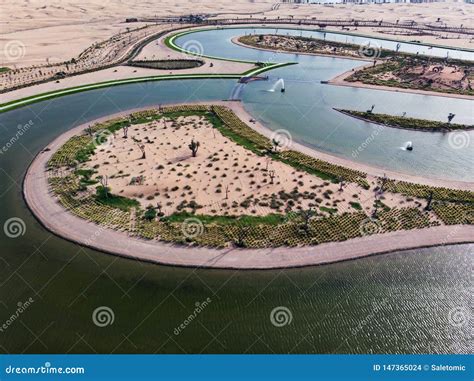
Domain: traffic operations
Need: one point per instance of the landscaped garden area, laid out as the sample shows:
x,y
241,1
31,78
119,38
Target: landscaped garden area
x,y
407,122
390,68
199,175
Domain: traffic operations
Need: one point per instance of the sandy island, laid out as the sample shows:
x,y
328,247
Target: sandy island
x,y
64,224
341,79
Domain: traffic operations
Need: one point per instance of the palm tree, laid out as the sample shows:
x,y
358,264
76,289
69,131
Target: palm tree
x,y
276,144
450,117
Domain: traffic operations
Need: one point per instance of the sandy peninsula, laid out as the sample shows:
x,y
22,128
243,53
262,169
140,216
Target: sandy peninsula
x,y
59,221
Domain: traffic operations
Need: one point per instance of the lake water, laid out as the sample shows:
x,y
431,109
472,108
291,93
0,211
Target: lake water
x,y
407,302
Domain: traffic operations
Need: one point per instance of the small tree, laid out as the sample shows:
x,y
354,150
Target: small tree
x,y
382,185
430,199
306,216
89,130
194,146
376,205
103,191
150,214
242,234
142,149
341,183
271,173
276,144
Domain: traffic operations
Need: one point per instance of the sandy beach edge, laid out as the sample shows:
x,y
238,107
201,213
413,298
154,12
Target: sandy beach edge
x,y
236,41
339,80
55,218
442,130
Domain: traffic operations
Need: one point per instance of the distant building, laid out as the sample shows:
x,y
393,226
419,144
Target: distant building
x,y
391,1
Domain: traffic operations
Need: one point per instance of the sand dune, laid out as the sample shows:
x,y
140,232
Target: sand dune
x,y
61,29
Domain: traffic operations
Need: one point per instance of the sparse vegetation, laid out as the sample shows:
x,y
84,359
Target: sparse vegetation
x,y
298,217
406,123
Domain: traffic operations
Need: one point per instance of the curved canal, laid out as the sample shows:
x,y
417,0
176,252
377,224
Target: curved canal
x,y
397,303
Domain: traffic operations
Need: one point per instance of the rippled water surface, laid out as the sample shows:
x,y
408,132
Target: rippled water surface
x,y
396,303
306,109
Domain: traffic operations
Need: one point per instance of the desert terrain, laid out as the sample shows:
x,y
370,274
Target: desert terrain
x,y
60,30
223,179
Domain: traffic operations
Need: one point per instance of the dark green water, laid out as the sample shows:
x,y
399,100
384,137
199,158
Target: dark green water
x,y
397,303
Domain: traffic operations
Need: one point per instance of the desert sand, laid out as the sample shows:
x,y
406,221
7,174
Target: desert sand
x,y
223,178
64,224
61,29
340,80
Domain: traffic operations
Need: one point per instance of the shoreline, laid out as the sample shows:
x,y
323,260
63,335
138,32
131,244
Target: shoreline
x,y
55,218
444,131
236,41
240,111
339,80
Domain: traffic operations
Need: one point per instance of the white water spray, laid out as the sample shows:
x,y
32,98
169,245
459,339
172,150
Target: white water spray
x,y
281,83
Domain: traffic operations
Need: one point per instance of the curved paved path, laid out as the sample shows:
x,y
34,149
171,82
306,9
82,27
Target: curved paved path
x,y
59,221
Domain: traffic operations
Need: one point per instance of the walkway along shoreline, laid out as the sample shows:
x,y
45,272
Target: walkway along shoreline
x,y
55,218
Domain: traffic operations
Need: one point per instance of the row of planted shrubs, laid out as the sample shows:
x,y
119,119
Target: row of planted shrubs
x,y
291,232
